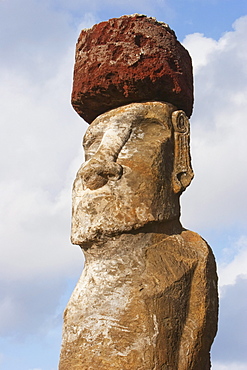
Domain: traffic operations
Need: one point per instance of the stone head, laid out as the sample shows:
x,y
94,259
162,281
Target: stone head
x,y
137,164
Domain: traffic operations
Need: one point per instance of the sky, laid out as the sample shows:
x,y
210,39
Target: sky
x,y
40,145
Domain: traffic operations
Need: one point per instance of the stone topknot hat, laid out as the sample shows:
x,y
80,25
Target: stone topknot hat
x,y
130,59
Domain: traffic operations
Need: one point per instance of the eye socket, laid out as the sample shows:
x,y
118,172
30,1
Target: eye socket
x,y
91,146
149,128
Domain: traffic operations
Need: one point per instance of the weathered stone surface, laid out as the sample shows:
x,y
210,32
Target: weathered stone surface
x,y
143,302
130,154
130,59
147,298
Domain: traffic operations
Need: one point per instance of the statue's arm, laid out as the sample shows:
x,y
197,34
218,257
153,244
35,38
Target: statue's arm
x,y
201,322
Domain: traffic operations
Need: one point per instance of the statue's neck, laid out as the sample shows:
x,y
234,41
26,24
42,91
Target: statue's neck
x,y
141,239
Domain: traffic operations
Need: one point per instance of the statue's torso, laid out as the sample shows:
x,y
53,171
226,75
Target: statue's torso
x,y
142,305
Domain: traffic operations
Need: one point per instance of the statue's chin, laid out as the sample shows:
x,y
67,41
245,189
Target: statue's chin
x,y
90,227
99,227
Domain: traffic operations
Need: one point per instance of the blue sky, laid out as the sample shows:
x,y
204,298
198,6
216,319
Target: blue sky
x,y
41,152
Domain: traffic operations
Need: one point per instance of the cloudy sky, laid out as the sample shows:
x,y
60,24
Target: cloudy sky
x,y
41,152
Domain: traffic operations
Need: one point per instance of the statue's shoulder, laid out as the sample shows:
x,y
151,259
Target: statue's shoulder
x,y
192,237
196,244
188,244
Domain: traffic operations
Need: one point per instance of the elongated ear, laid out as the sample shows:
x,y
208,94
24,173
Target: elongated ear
x,y
182,169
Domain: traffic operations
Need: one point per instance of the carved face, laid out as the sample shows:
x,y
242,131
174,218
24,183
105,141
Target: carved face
x,y
126,179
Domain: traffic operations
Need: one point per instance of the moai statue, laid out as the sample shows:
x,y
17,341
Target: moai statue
x,y
147,298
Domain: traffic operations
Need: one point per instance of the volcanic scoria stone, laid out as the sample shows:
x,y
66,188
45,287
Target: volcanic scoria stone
x,y
130,59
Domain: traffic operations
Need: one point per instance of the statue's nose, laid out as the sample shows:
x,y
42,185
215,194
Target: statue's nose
x,y
96,174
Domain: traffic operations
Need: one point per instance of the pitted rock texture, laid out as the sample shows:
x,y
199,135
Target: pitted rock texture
x,y
130,59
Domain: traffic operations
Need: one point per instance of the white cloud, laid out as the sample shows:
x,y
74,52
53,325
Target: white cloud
x,y
216,200
230,342
199,52
218,125
87,21
229,366
38,135
229,272
40,153
228,351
